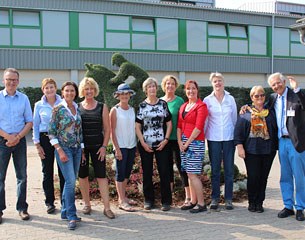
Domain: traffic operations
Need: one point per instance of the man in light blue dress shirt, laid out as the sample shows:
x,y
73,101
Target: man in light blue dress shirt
x,y
15,122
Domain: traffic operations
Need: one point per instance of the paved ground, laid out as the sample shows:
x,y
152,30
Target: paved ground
x,y
175,224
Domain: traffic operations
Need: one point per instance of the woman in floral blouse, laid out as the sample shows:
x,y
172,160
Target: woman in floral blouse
x,y
65,135
153,128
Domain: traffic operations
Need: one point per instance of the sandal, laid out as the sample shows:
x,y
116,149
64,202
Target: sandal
x,y
126,207
199,208
87,210
131,201
109,214
187,206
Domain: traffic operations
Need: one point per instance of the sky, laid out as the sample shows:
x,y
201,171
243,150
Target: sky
x,y
237,3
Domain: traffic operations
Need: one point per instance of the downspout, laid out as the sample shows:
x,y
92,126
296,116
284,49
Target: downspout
x,y
272,44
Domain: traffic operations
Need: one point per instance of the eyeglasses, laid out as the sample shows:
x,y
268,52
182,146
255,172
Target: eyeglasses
x,y
259,95
12,80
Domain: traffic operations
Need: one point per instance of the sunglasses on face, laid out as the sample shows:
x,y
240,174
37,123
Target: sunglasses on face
x,y
259,96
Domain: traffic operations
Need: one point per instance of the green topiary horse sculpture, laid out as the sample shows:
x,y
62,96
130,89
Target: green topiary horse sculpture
x,y
127,69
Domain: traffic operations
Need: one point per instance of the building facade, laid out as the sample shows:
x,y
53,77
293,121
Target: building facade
x,y
55,38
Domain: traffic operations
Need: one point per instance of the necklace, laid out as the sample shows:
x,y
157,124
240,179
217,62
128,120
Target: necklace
x,y
169,99
189,106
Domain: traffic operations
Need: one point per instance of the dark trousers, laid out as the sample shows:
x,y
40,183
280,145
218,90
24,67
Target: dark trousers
x,y
258,169
173,148
163,169
19,158
48,170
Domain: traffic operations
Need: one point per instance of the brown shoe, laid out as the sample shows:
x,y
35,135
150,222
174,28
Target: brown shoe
x,y
24,215
87,210
109,214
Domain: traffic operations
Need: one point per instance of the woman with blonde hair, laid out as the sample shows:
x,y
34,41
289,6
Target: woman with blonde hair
x,y
256,139
96,131
169,85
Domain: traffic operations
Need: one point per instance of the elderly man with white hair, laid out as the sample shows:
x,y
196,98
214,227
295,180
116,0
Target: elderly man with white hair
x,y
289,105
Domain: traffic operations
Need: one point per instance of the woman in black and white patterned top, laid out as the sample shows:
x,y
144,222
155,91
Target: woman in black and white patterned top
x,y
153,128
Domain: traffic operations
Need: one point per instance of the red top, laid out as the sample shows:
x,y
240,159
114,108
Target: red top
x,y
195,118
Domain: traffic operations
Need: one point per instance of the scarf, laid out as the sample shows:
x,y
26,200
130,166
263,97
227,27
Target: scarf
x,y
258,123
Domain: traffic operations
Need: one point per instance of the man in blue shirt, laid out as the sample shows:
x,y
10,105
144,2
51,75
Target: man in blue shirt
x,y
15,122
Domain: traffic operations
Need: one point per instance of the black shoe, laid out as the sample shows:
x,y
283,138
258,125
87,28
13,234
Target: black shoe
x,y
252,207
285,213
50,209
1,217
198,208
72,225
300,215
259,208
78,219
165,207
214,204
24,215
188,206
229,205
148,206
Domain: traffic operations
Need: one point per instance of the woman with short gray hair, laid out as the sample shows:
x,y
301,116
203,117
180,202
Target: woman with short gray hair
x,y
153,128
219,133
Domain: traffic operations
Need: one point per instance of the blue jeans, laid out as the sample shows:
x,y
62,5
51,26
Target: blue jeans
x,y
69,170
292,180
20,163
222,151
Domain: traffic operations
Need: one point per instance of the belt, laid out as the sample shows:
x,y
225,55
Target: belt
x,y
44,134
285,136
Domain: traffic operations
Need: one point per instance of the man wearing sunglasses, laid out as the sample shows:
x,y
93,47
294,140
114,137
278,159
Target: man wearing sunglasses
x,y
289,105
15,122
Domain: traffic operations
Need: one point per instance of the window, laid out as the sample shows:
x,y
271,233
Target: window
x,y
4,29
4,18
167,34
218,40
91,30
143,25
143,34
26,18
217,30
257,40
117,23
117,32
227,38
296,48
238,39
26,24
196,36
281,42
238,31
55,29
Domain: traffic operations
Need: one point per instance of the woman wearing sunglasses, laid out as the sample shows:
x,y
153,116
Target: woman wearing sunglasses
x,y
255,136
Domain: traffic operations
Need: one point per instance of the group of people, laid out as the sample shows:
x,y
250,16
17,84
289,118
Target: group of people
x,y
164,129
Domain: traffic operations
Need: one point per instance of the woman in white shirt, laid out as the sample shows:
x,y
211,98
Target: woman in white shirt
x,y
219,131
123,135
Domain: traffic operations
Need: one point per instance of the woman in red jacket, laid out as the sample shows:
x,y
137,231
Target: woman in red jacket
x,y
192,116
